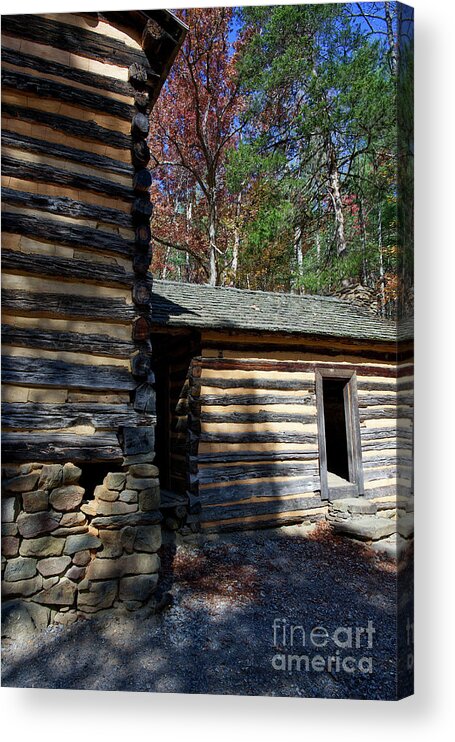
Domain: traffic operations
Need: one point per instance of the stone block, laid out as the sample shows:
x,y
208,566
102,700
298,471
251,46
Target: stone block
x,y
49,582
354,505
51,476
119,521
144,470
10,546
62,593
10,509
149,499
71,473
53,565
66,498
81,558
21,568
22,619
140,483
22,483
73,519
33,502
81,542
115,508
104,569
22,588
367,528
140,458
65,617
112,544
102,493
139,587
128,496
9,529
75,573
406,525
98,596
42,547
115,480
148,538
128,535
34,524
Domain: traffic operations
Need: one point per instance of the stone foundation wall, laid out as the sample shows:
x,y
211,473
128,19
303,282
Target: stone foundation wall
x,y
64,555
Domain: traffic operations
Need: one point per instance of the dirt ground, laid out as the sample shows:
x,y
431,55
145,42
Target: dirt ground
x,y
218,635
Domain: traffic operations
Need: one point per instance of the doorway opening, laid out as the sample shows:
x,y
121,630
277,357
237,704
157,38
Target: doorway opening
x,y
340,454
335,427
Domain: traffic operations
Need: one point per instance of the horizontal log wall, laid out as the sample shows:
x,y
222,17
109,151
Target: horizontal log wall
x,y
254,437
68,237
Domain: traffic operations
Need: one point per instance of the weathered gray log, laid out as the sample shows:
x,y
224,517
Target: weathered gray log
x,y
137,76
141,262
72,39
45,173
237,492
103,345
208,400
141,153
29,144
142,209
141,364
47,67
26,303
392,412
68,268
316,349
65,234
370,434
68,125
142,180
237,364
44,88
263,416
66,207
51,373
61,447
135,440
269,507
140,126
259,437
145,398
142,236
254,456
399,398
141,100
378,445
34,416
142,292
262,383
392,473
258,471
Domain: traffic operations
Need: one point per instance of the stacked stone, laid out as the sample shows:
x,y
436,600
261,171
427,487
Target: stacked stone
x,y
66,556
124,516
45,537
385,530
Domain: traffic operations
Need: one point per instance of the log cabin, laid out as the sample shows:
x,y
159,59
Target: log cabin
x,y
271,405
78,403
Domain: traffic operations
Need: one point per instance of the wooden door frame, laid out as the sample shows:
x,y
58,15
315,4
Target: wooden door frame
x,y
351,409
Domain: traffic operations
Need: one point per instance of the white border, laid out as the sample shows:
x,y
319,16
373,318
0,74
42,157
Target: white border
x,y
75,715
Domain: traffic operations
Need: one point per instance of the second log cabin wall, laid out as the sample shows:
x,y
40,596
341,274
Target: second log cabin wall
x,y
254,434
67,193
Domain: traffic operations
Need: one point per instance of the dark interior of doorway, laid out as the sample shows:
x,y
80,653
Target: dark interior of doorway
x,y
335,427
172,356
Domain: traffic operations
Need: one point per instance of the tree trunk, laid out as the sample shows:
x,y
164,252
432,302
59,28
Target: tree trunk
x,y
335,194
236,247
391,40
381,262
213,275
364,243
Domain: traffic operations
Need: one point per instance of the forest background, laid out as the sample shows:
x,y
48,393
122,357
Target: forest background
x,y
282,152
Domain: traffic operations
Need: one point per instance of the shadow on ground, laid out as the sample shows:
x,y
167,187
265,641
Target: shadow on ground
x,y
218,637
